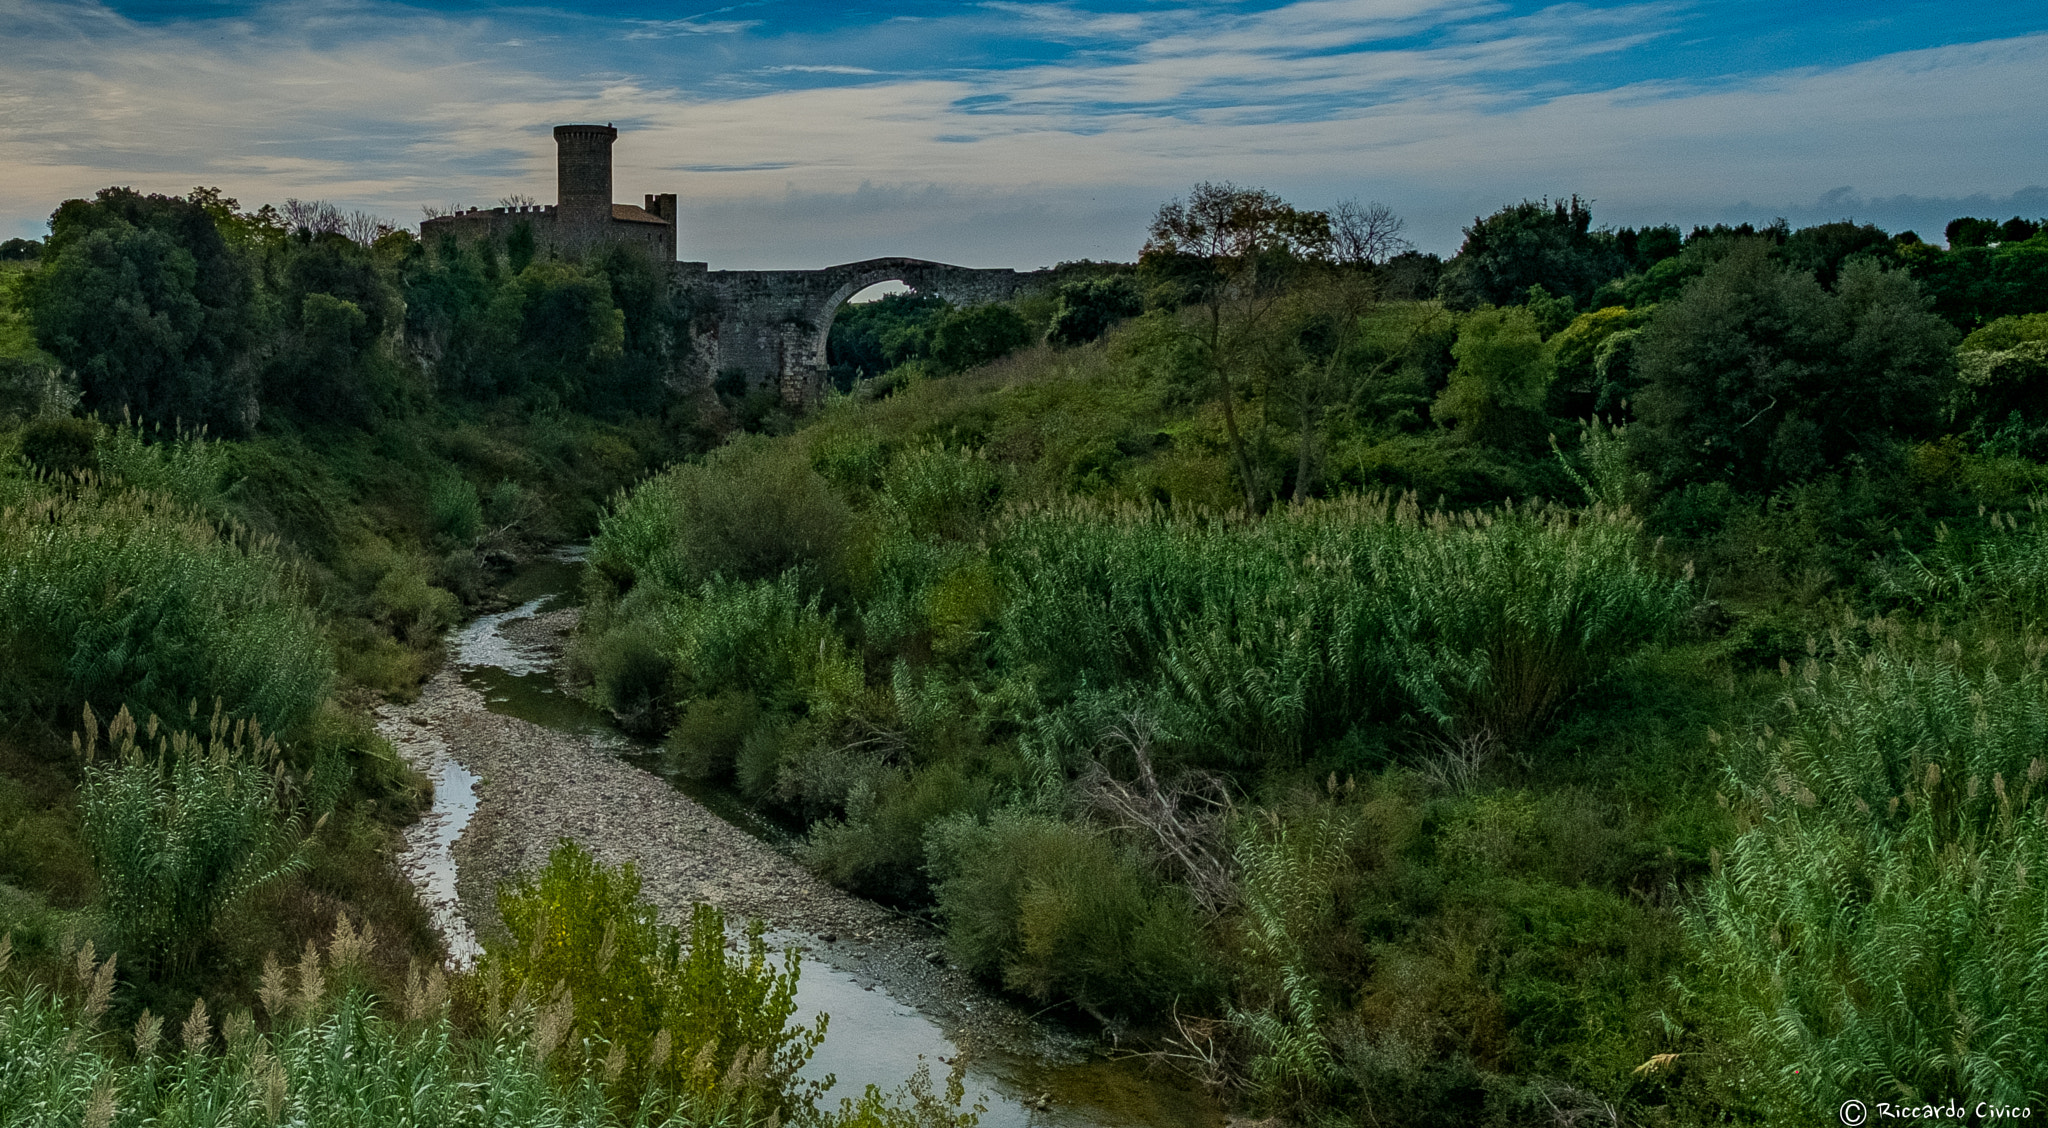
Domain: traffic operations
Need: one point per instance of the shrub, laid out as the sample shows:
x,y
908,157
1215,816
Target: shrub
x,y
453,509
1057,910
1877,930
751,511
1085,310
968,337
877,849
706,739
1497,391
60,445
408,606
179,833
677,1012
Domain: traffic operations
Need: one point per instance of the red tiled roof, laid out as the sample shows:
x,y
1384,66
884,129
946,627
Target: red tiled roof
x,y
630,213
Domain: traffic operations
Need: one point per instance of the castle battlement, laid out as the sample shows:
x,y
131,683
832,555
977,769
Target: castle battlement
x,y
583,218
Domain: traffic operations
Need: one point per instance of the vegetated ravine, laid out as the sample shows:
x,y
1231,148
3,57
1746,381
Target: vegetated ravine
x,y
519,762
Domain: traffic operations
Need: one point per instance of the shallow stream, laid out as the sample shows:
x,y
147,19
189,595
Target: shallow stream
x,y
872,1038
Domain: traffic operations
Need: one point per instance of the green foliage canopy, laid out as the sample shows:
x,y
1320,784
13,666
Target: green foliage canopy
x,y
1758,376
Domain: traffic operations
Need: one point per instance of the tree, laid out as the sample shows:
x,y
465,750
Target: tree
x,y
1758,377
978,335
1366,235
1824,247
143,297
1544,243
1229,252
1497,391
1083,311
1325,360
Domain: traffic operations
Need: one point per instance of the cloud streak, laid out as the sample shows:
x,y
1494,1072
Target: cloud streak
x,y
1034,132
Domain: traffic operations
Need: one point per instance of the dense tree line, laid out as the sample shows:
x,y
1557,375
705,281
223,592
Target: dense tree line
x,y
187,309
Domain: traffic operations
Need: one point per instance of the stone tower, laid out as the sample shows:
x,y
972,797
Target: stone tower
x,y
585,219
583,182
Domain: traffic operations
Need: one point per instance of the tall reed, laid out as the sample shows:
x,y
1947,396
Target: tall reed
x,y
1266,637
180,827
129,598
1881,930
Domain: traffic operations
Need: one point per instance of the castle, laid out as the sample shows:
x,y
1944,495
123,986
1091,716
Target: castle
x,y
584,217
770,327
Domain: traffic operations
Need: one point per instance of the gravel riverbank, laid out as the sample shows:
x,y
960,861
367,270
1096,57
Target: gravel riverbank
x,y
537,785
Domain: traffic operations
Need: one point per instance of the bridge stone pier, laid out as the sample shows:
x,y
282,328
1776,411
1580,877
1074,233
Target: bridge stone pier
x,y
772,325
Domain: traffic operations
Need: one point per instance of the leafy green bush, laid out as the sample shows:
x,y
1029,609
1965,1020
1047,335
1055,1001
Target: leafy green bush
x,y
876,849
60,445
677,1014
1057,910
180,832
1877,931
751,511
454,510
965,338
1083,311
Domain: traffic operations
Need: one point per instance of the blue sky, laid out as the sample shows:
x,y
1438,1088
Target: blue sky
x,y
1021,133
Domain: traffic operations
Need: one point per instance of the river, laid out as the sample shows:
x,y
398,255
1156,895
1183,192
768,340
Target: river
x,y
890,1005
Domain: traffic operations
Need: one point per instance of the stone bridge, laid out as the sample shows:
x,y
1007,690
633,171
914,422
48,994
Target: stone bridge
x,y
772,325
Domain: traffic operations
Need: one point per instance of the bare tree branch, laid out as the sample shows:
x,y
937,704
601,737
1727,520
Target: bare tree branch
x,y
1367,234
1186,821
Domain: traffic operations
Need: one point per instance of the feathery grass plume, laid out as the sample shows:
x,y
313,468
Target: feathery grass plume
x,y
197,1031
349,948
1881,925
272,991
554,1022
148,1028
271,1080
312,984
6,950
181,832
101,1106
99,985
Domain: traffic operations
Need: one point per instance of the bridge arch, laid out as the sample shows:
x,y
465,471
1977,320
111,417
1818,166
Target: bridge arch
x,y
773,325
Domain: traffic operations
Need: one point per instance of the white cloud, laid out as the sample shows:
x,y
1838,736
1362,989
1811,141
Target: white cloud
x,y
670,29
801,69
388,109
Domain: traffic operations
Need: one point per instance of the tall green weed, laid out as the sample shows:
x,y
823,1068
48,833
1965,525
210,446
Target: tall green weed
x,y
180,829
129,598
1880,930
1262,639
